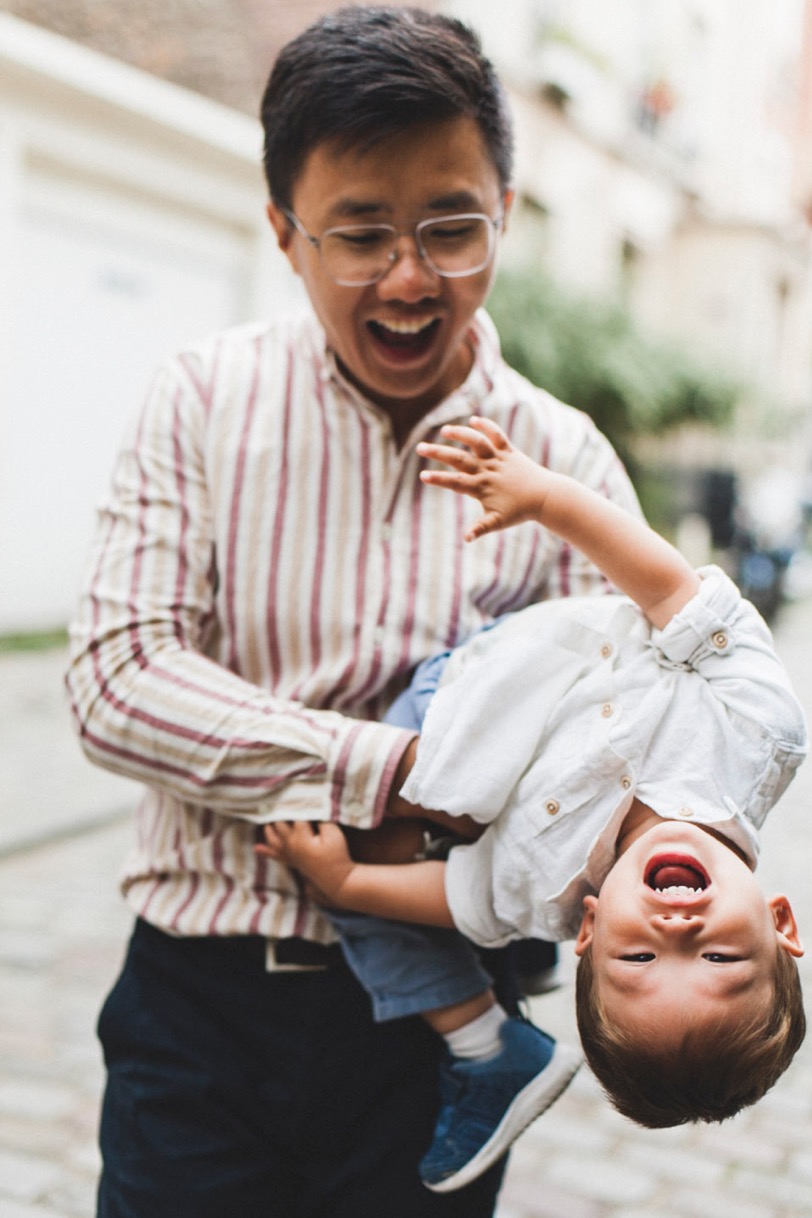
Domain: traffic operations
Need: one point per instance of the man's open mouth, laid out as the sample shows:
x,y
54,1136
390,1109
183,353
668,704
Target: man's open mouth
x,y
405,337
676,875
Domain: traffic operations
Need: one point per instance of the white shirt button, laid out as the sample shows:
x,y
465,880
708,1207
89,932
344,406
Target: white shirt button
x,y
552,806
606,650
607,710
719,640
686,812
625,782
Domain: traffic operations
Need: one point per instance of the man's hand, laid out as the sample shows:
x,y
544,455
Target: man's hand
x,y
399,808
318,850
393,841
510,486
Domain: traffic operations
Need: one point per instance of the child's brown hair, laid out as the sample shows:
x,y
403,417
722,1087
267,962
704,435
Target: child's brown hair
x,y
709,1077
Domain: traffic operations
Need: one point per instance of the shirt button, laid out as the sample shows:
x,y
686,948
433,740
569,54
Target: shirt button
x,y
719,639
607,710
625,782
606,650
552,806
686,812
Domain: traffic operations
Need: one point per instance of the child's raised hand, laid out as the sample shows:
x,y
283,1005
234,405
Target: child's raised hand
x,y
510,486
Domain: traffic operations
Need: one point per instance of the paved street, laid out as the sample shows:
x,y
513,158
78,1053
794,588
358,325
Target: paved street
x,y
62,930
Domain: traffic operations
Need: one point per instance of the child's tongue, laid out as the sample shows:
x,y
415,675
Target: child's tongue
x,y
673,875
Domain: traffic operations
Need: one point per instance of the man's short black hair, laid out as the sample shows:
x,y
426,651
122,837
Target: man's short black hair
x,y
361,74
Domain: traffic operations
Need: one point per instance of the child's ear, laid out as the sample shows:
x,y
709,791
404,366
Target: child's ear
x,y
587,925
785,926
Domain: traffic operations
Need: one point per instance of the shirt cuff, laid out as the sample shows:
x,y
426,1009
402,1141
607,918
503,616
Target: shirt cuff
x,y
705,625
354,787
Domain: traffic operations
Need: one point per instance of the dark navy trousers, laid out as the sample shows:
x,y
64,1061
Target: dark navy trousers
x,y
237,1093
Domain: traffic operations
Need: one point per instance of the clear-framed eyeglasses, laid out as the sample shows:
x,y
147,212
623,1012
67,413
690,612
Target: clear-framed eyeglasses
x,y
355,255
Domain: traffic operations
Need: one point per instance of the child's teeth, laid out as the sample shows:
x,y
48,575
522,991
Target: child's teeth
x,y
679,890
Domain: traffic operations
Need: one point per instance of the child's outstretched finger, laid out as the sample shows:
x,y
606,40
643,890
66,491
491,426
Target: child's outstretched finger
x,y
449,481
489,522
458,458
474,438
490,429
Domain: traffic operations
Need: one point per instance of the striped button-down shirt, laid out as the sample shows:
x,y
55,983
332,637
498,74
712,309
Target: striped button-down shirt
x,y
266,573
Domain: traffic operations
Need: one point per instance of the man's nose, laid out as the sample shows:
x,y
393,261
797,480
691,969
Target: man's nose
x,y
409,277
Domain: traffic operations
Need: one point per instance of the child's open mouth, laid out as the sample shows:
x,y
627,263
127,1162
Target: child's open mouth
x,y
676,875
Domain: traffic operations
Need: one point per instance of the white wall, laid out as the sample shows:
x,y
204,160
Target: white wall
x,y
131,220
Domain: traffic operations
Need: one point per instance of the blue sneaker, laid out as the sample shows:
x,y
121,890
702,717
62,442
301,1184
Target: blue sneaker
x,y
485,1105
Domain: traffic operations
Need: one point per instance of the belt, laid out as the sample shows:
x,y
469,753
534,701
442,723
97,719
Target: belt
x,y
251,952
301,955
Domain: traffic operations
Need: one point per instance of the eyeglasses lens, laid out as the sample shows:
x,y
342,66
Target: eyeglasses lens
x,y
452,246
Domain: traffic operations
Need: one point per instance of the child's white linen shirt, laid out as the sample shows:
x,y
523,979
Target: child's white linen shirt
x,y
546,726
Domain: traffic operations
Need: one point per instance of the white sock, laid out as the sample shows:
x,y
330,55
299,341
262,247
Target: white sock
x,y
479,1038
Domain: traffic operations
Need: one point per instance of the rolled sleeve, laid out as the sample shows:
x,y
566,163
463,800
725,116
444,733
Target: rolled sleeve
x,y
361,768
722,638
708,625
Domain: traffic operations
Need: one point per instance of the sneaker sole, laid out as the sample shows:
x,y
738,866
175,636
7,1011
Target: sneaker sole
x,y
529,1104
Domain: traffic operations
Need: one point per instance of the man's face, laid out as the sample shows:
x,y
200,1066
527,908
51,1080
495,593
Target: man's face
x,y
682,935
400,340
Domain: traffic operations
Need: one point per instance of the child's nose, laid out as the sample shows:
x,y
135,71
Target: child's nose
x,y
678,923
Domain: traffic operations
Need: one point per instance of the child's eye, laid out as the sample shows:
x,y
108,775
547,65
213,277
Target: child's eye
x,y
720,958
639,957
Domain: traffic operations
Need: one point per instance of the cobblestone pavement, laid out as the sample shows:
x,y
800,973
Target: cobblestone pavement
x,y
62,932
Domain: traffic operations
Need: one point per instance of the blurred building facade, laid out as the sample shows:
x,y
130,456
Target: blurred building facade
x,y
220,48
131,221
664,159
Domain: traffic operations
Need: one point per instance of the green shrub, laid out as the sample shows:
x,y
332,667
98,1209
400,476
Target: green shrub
x,y
591,355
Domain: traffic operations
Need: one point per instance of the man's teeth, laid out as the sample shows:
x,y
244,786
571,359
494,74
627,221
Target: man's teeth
x,y
406,327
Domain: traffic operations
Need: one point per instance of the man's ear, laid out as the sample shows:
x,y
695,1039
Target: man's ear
x,y
785,925
507,205
587,925
284,230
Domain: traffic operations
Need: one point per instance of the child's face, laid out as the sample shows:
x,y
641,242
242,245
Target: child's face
x,y
682,935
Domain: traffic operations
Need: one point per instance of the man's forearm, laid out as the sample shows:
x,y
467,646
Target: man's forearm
x,y
400,808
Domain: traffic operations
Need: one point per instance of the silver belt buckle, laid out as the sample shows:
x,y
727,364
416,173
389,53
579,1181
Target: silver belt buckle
x,y
272,965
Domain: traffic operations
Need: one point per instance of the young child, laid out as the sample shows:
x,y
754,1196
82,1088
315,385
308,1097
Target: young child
x,y
622,752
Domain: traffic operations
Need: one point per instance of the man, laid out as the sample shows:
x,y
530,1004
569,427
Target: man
x,y
267,573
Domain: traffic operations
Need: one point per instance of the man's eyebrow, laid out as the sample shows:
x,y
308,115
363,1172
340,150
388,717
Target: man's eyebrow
x,y
358,209
354,209
458,200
